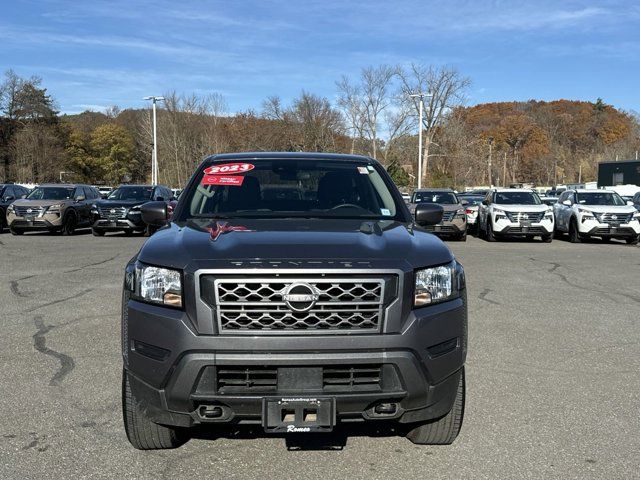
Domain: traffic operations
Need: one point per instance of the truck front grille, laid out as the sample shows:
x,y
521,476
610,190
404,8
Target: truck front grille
x,y
614,219
351,378
448,216
112,212
248,380
517,217
292,305
26,211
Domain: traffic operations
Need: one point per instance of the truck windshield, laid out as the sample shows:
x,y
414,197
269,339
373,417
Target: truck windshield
x,y
600,198
131,193
517,198
51,193
290,188
443,198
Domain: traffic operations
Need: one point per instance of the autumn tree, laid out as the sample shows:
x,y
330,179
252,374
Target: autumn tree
x,y
113,149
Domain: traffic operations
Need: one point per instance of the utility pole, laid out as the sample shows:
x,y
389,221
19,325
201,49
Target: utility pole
x,y
154,155
421,96
490,140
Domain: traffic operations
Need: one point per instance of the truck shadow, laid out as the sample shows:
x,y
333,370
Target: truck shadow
x,y
335,440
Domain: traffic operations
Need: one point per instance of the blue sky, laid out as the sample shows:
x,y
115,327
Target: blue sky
x,y
92,54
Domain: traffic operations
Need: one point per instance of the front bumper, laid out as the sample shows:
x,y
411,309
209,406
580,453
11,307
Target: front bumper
x,y
597,229
505,227
174,371
457,226
44,222
118,224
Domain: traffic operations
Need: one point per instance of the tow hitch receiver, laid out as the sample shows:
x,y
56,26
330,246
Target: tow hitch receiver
x,y
298,414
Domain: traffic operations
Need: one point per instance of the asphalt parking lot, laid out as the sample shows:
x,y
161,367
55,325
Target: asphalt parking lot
x,y
553,389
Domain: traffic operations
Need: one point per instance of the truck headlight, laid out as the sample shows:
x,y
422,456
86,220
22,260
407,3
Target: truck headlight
x,y
587,215
158,285
438,284
54,208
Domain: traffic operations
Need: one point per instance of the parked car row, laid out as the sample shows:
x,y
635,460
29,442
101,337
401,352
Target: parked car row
x,y
65,208
510,212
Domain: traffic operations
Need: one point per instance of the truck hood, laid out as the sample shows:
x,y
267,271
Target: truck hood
x,y
120,203
298,242
39,203
608,208
523,208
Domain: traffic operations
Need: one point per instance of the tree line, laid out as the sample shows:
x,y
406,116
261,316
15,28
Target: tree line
x,y
375,113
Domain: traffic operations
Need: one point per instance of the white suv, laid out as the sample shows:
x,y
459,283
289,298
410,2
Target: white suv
x,y
596,213
515,213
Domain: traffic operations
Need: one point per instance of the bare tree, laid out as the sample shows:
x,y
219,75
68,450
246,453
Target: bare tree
x,y
447,88
350,104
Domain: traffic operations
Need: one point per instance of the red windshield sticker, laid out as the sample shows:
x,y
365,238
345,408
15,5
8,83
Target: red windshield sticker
x,y
231,180
231,168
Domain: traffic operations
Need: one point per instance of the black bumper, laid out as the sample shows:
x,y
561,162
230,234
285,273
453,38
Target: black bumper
x,y
445,229
174,371
119,224
613,232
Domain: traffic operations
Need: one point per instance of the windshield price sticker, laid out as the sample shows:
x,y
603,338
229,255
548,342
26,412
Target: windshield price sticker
x,y
231,180
231,168
363,170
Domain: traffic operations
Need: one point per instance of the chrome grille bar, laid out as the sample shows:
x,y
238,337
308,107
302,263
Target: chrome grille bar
x,y
253,305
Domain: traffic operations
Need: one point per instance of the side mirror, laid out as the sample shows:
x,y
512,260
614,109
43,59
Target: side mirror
x,y
428,214
567,203
484,202
9,198
154,213
80,198
464,202
159,199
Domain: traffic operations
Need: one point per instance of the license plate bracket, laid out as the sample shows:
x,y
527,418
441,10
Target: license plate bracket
x,y
298,414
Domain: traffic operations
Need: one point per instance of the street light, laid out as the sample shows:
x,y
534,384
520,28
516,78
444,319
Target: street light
x,y
154,156
421,96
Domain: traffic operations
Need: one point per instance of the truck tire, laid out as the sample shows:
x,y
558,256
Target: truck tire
x,y
574,233
489,235
444,430
142,433
69,223
547,238
633,240
463,237
3,220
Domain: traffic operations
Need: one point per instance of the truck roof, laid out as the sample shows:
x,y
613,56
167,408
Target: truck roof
x,y
288,155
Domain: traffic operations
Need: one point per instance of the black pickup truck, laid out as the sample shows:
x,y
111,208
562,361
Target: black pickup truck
x,y
293,291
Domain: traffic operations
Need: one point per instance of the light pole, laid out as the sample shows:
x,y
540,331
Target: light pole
x,y
421,96
154,156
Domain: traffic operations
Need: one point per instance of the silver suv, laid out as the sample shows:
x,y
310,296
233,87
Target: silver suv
x,y
53,207
454,218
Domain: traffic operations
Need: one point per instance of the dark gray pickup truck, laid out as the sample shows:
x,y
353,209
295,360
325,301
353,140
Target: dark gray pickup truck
x,y
293,291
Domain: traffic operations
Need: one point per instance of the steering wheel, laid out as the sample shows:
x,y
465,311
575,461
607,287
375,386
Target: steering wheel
x,y
347,205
